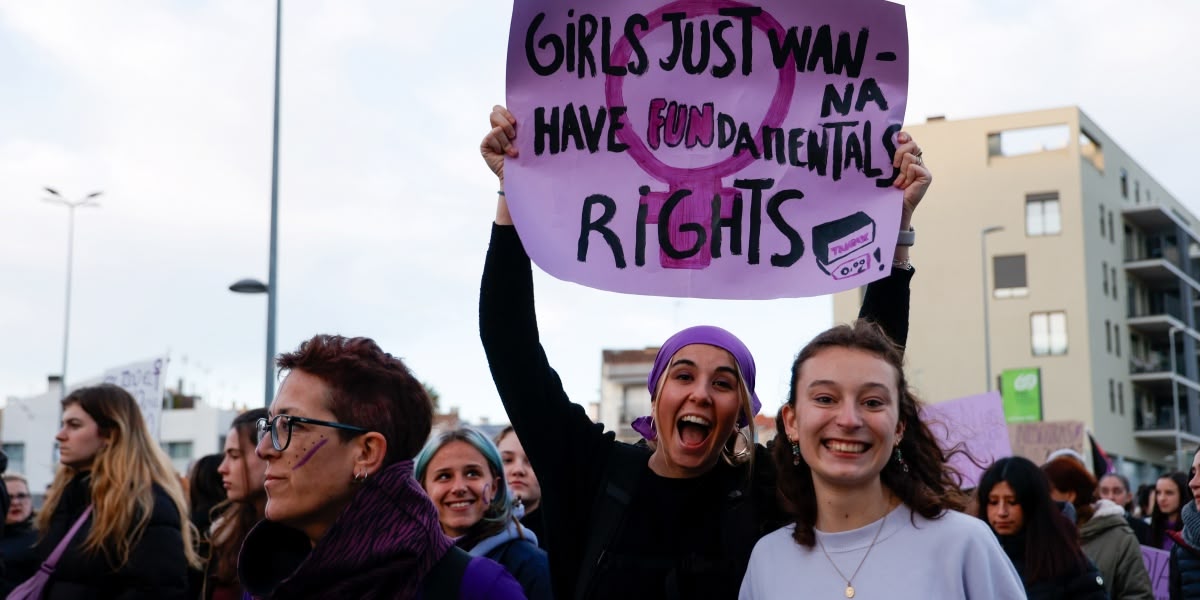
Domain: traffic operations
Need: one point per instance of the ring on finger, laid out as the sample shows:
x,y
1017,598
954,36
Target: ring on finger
x,y
920,161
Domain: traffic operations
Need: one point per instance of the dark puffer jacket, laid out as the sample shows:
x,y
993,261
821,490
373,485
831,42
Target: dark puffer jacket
x,y
1111,544
157,566
1085,584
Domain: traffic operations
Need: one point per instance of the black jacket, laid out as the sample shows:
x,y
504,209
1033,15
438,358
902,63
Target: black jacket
x,y
1083,584
157,566
18,555
670,542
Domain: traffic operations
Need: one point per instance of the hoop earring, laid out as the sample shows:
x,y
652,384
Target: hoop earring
x,y
360,477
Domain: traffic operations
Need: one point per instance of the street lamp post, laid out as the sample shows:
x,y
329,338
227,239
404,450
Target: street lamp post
x,y
253,286
987,330
57,198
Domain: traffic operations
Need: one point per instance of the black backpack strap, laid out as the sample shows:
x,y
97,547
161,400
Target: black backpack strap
x,y
445,578
625,466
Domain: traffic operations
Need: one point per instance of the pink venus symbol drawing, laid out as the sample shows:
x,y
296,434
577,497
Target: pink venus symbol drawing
x,y
691,193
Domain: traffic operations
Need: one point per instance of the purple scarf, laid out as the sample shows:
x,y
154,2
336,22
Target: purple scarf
x,y
703,334
381,546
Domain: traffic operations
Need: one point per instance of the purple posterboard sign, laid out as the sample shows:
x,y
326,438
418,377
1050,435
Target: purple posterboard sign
x,y
976,422
1158,565
707,148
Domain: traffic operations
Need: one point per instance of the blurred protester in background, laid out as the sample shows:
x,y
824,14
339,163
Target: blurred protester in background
x,y
20,536
242,475
1145,502
344,516
1014,499
1115,487
1171,493
1106,537
204,492
522,481
135,540
461,470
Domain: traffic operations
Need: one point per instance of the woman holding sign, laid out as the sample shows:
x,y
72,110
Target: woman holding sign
x,y
623,521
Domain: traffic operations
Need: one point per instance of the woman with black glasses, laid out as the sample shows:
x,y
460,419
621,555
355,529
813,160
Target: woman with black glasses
x,y
344,515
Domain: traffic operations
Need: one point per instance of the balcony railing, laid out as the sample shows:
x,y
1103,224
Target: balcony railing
x,y
1159,418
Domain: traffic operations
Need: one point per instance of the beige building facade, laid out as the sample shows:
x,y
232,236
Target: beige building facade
x,y
1088,270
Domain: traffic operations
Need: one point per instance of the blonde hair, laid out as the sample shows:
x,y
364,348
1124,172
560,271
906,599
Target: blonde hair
x,y
124,473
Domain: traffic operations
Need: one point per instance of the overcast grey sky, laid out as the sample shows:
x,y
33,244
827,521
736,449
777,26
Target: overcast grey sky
x,y
385,205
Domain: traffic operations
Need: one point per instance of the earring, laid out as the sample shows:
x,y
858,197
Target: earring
x,y
360,477
795,453
900,459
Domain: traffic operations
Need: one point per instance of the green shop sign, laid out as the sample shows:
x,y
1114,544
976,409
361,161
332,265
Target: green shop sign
x,y
1021,390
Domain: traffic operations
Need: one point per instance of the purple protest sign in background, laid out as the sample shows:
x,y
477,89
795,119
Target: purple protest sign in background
x,y
707,148
976,422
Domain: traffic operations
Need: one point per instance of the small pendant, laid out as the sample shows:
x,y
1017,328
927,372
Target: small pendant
x,y
849,591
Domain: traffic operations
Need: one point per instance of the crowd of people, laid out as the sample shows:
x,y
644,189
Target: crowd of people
x,y
338,488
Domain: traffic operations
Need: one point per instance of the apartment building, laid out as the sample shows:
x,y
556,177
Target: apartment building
x,y
1048,260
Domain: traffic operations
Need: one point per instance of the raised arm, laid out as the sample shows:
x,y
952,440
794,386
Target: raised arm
x,y
886,301
565,447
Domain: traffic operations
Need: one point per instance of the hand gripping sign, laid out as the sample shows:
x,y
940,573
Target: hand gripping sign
x,y
707,148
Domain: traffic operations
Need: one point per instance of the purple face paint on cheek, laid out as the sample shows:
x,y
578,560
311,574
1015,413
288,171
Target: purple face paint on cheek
x,y
310,453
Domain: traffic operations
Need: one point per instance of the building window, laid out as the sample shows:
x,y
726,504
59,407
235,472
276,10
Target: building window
x,y
1108,336
1048,333
1104,274
1117,339
1137,192
1112,234
1121,397
1124,184
1114,281
1112,397
1090,150
1042,216
178,449
1008,276
16,457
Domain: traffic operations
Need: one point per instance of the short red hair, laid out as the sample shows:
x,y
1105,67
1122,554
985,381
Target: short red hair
x,y
368,388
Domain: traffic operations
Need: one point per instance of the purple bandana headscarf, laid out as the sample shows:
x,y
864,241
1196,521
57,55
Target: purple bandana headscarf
x,y
712,336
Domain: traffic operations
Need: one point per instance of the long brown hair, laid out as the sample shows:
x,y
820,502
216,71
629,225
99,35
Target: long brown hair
x,y
124,473
235,518
929,487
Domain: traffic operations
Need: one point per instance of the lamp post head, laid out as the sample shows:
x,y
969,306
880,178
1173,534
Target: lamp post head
x,y
992,229
249,286
52,191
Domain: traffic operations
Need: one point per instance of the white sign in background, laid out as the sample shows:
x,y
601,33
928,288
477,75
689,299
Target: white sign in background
x,y
144,381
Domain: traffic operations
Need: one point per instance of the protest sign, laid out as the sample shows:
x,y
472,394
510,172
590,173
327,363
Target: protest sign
x,y
975,422
707,148
1036,441
1158,563
144,381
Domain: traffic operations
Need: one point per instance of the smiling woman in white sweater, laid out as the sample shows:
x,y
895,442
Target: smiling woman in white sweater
x,y
874,503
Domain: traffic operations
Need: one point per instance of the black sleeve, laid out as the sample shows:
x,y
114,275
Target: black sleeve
x,y
566,449
157,566
886,303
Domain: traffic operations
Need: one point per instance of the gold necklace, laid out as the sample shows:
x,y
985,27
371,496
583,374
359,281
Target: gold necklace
x,y
850,579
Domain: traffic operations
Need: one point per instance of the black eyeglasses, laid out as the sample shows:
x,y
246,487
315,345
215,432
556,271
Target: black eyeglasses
x,y
272,426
